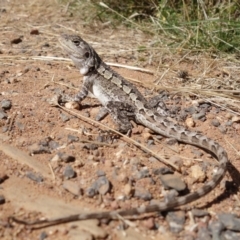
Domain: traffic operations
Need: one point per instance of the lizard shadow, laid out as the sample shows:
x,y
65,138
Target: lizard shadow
x,y
231,187
90,106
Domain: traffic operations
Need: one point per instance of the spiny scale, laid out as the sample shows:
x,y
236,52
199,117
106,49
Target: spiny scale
x,y
113,87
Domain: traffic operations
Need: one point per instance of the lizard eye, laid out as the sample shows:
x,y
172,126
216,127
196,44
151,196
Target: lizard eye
x,y
76,42
87,54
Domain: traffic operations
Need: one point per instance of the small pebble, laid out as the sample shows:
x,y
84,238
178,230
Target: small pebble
x,y
16,40
203,233
100,173
176,160
215,123
6,104
127,189
90,146
2,199
72,187
197,173
172,181
91,192
34,177
55,158
43,235
64,117
205,106
170,196
103,185
142,193
143,173
72,139
38,149
190,123
69,172
176,221
230,235
199,212
3,115
230,221
65,157
222,129
72,105
34,32
215,229
53,144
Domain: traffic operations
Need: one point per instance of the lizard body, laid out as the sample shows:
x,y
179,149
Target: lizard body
x,y
124,102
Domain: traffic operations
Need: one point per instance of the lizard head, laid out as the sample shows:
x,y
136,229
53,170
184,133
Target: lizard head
x,y
81,53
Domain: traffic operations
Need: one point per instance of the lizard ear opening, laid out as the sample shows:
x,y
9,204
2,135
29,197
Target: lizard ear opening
x,y
87,54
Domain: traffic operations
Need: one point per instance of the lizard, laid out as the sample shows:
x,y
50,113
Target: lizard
x,y
125,102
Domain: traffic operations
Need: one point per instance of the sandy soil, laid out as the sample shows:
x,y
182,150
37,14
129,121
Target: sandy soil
x,y
32,179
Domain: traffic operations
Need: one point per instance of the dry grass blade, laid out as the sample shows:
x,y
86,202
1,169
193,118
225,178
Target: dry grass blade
x,y
47,58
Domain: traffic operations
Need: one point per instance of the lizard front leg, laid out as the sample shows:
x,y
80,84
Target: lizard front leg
x,y
82,94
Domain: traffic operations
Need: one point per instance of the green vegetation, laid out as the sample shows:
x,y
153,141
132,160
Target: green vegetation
x,y
197,24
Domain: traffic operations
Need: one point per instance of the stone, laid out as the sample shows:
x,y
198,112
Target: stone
x,y
65,157
72,105
2,199
215,123
176,221
69,172
35,177
190,122
197,173
230,221
216,228
199,212
172,181
64,117
6,104
72,187
103,185
3,115
142,193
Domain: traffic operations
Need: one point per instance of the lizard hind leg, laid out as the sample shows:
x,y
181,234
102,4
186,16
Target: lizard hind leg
x,y
121,113
103,112
158,105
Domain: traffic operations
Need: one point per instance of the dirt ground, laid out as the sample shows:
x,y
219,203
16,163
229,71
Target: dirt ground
x,y
39,143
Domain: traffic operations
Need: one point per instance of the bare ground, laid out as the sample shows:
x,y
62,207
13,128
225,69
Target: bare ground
x,y
33,70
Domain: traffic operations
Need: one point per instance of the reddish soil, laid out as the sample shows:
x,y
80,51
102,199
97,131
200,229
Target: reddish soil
x,y
29,80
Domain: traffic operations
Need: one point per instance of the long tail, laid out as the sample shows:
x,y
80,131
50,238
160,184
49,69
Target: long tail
x,y
168,129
